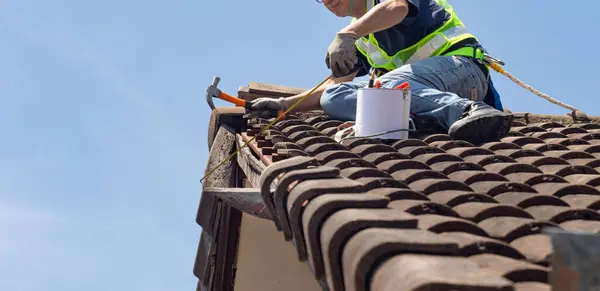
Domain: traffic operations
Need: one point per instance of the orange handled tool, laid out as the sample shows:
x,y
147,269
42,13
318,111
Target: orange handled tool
x,y
214,92
234,100
403,86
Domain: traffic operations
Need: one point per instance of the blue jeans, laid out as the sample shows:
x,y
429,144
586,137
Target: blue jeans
x,y
441,88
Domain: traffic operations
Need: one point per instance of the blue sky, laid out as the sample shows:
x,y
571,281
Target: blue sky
x,y
103,117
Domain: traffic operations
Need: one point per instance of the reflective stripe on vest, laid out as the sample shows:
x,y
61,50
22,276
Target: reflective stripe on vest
x,y
433,44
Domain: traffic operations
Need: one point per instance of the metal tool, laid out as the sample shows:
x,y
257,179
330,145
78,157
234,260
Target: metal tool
x,y
214,92
489,60
263,128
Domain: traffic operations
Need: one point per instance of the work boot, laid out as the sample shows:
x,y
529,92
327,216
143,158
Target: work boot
x,y
481,123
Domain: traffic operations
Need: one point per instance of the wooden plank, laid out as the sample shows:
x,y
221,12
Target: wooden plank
x,y
210,209
244,93
201,267
217,251
228,237
247,200
274,90
223,146
204,264
230,115
215,259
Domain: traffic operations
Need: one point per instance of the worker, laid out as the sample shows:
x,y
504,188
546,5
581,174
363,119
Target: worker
x,y
422,42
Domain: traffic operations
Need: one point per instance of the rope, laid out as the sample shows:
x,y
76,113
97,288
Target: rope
x,y
501,70
265,128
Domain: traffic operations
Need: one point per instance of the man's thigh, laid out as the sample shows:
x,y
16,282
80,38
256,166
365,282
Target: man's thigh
x,y
459,75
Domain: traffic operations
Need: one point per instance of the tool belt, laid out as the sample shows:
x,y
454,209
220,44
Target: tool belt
x,y
470,48
467,48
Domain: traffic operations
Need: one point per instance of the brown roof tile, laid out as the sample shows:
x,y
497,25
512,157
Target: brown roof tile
x,y
430,272
429,212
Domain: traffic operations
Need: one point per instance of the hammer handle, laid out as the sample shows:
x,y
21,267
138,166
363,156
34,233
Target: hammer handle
x,y
242,102
234,100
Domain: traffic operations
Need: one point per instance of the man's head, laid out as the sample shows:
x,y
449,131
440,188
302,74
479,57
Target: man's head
x,y
342,8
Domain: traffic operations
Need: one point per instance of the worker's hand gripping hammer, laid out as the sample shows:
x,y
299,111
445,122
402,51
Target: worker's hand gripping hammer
x,y
214,92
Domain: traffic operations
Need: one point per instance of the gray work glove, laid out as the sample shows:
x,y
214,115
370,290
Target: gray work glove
x,y
341,55
267,107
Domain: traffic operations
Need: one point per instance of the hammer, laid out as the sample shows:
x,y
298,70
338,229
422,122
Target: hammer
x,y
214,92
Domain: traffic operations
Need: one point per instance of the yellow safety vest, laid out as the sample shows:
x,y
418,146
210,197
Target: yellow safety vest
x,y
452,32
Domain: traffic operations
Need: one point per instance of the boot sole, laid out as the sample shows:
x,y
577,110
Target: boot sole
x,y
484,129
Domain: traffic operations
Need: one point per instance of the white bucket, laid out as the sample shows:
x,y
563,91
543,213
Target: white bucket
x,y
380,110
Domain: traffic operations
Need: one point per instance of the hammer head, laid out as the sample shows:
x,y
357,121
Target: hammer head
x,y
213,92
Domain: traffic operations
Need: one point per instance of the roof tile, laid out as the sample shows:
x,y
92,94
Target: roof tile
x,y
512,269
366,248
453,198
527,199
320,209
536,247
300,195
532,286
342,225
418,207
429,211
430,272
471,245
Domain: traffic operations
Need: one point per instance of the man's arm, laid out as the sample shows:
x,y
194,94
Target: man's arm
x,y
313,101
381,17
